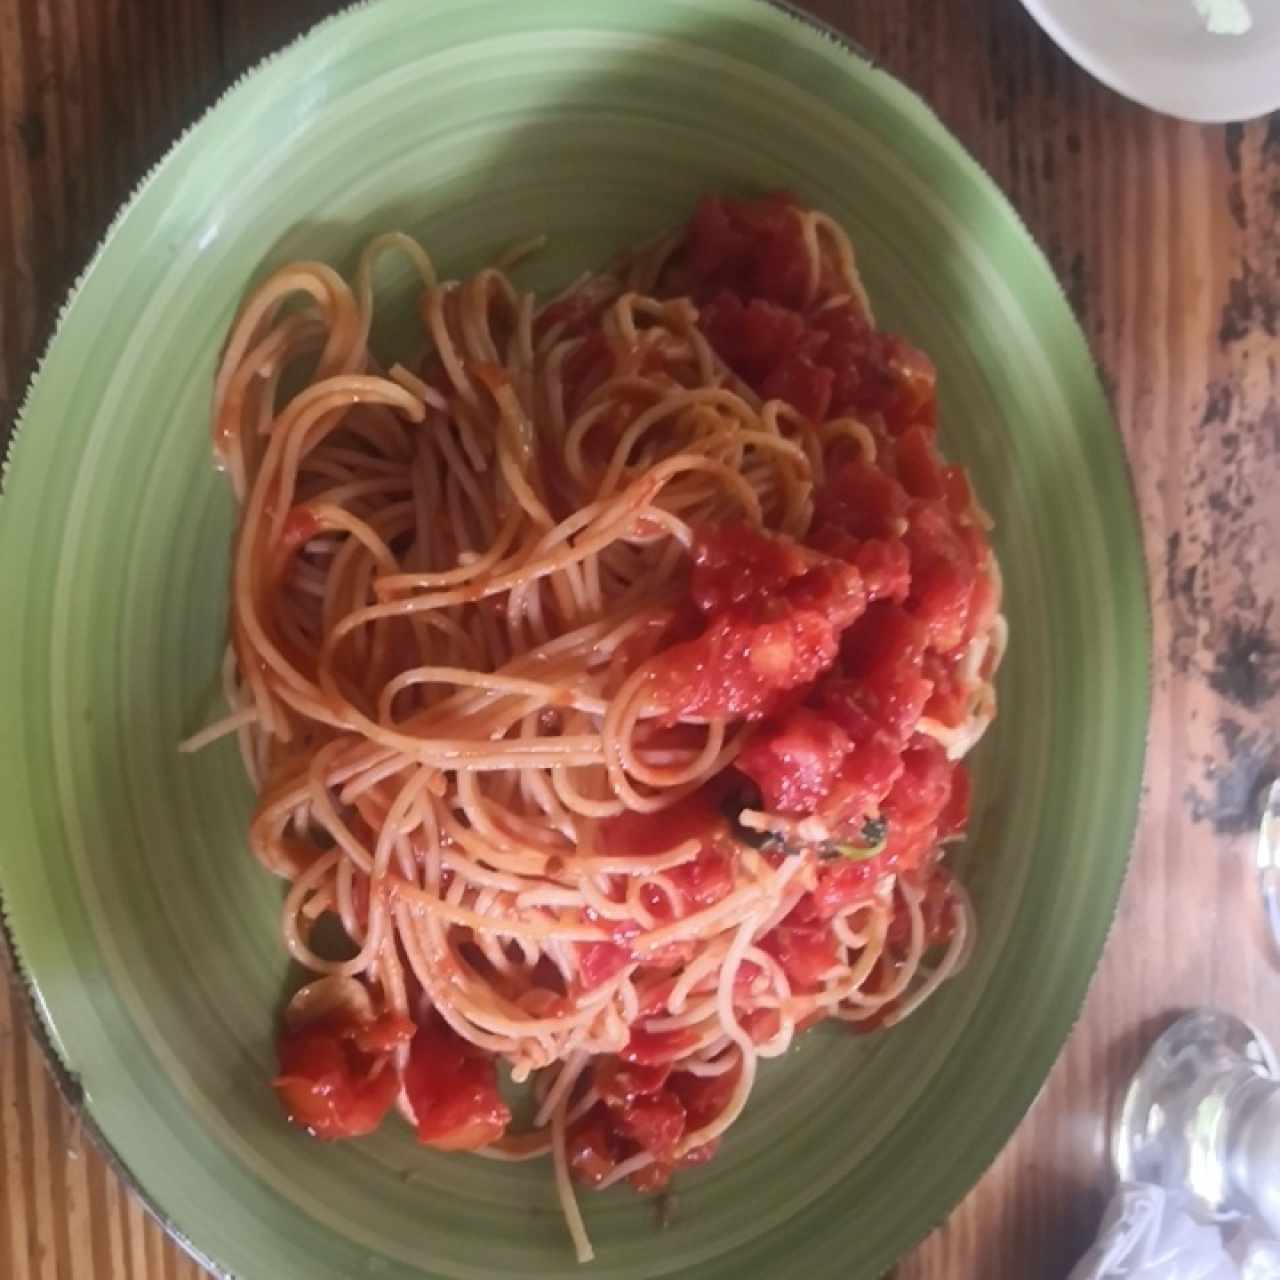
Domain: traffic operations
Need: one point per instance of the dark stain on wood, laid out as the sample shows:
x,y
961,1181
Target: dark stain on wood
x,y
1236,206
33,135
1218,402
1253,302
1233,140
1231,799
1271,140
1253,296
1215,571
1246,668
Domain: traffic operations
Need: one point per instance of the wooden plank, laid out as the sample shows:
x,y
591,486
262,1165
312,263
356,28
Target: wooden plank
x,y
1166,240
92,92
251,30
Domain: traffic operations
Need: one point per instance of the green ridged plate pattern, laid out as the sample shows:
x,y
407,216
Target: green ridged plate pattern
x,y
149,936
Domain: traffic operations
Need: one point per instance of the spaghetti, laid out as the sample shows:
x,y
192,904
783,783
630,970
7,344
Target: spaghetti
x,y
603,671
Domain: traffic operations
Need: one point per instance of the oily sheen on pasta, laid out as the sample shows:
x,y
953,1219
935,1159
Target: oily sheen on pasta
x,y
604,669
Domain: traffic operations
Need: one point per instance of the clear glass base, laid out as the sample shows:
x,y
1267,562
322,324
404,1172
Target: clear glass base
x,y
1189,1113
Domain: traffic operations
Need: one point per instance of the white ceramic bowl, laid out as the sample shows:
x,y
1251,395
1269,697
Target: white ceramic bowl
x,y
1187,58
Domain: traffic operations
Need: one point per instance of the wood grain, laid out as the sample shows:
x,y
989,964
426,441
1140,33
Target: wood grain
x,y
1166,238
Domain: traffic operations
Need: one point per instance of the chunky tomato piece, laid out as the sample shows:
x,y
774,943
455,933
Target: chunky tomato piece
x,y
902,386
914,382
600,961
772,349
705,880
704,1097
837,759
796,762
658,903
842,883
737,568
761,1024
751,337
920,469
877,373
849,350
921,793
802,383
883,654
750,260
944,574
885,565
861,500
734,565
453,1089
642,835
384,1033
805,953
328,1084
885,637
649,1047
620,1083
589,1147
655,1121
740,671
653,995
950,696
872,765
917,801
774,616
753,248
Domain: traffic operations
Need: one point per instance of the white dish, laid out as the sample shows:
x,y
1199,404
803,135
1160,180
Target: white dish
x,y
1205,60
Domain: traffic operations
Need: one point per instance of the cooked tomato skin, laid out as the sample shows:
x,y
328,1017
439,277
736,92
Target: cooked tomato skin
x,y
590,1147
804,951
650,1048
642,835
600,961
797,763
746,264
621,1083
771,616
654,1121
336,1079
646,1109
453,1089
704,1097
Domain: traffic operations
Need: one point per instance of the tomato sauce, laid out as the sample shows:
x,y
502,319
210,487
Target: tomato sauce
x,y
838,645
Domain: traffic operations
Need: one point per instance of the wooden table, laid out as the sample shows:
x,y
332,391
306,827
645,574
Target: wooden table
x,y
1166,238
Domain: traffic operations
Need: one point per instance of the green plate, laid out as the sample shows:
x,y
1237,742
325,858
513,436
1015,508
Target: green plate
x,y
147,933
